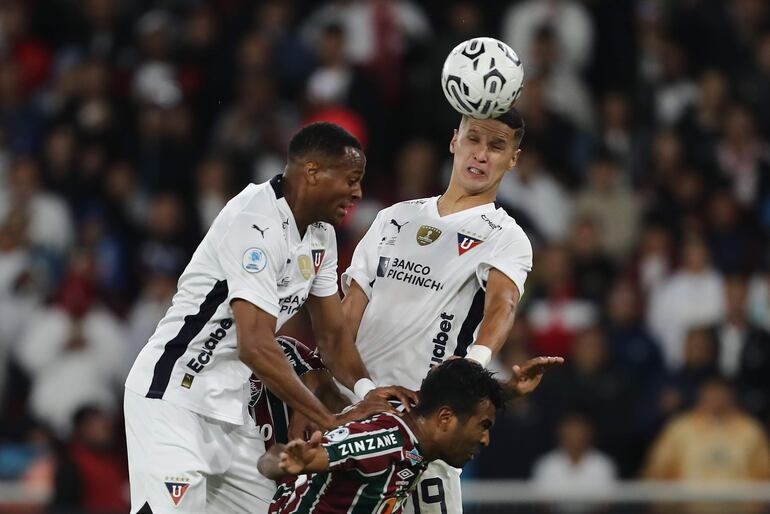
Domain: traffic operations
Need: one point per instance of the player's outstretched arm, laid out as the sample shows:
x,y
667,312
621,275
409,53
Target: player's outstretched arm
x,y
526,377
295,458
258,349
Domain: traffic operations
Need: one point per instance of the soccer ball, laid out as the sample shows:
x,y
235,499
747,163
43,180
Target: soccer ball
x,y
482,77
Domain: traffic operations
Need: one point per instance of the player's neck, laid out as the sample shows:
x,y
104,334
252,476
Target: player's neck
x,y
419,427
455,199
299,208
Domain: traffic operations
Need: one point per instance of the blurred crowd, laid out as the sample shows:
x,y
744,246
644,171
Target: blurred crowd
x,y
644,185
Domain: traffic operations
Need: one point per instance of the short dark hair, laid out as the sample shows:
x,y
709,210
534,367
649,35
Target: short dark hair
x,y
513,119
459,384
328,139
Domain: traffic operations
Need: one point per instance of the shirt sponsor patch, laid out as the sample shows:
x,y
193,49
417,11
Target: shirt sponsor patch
x,y
338,434
254,260
414,457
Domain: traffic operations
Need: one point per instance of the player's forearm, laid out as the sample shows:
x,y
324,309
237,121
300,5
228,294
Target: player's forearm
x,y
269,363
341,356
332,398
321,384
496,325
353,307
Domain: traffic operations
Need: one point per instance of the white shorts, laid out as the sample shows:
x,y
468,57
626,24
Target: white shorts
x,y
437,492
182,462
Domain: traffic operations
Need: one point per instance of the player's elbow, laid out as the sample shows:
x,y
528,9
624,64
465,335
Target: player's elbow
x,y
267,467
505,306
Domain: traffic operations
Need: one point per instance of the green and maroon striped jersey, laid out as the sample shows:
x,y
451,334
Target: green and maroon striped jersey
x,y
269,412
373,465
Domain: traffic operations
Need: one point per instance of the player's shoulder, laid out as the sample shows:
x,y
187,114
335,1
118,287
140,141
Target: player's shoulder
x,y
253,210
255,200
289,344
407,206
500,220
294,348
324,232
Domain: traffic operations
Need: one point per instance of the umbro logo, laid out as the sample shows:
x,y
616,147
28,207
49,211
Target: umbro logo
x,y
405,474
261,231
399,227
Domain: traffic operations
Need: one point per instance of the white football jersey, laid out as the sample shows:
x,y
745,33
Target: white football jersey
x,y
425,276
252,251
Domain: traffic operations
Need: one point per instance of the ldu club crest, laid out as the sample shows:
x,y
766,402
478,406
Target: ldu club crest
x,y
427,235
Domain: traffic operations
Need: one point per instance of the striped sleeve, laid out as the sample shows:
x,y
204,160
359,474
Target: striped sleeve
x,y
369,446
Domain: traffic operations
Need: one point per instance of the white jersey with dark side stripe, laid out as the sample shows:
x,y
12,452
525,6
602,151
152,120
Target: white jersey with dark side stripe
x,y
425,276
253,251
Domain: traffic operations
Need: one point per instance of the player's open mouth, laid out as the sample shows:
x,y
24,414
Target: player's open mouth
x,y
475,171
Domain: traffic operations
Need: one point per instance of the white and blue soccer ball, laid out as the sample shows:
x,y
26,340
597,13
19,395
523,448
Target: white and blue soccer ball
x,y
482,77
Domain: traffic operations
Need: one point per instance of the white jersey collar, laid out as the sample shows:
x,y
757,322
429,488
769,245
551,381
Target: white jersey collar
x,y
479,209
287,216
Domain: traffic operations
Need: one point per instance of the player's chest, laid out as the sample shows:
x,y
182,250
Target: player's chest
x,y
401,482
434,251
296,276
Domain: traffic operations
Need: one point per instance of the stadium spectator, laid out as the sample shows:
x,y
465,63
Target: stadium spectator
x,y
713,442
692,296
744,354
533,191
75,341
91,474
575,464
557,312
609,200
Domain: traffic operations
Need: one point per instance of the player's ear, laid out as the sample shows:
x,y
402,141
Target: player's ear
x,y
445,416
453,141
311,169
515,158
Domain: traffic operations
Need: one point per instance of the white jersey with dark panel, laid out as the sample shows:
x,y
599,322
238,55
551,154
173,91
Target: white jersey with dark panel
x,y
253,251
425,276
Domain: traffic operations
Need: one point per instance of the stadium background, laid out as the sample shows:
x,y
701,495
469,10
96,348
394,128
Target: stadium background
x,y
126,125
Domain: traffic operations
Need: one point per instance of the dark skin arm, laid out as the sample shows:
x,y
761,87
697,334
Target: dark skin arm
x,y
321,384
334,341
339,352
258,349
